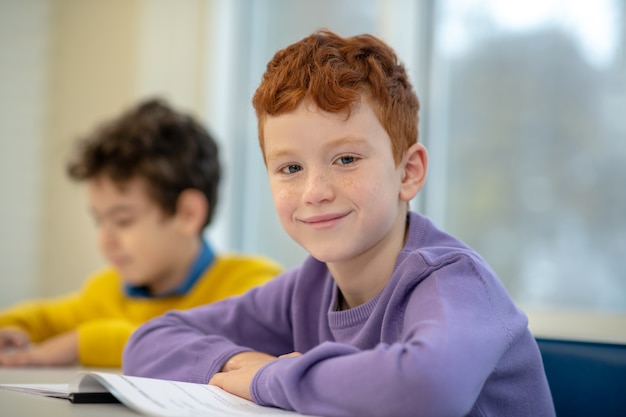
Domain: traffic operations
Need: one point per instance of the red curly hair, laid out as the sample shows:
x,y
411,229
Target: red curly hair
x,y
335,73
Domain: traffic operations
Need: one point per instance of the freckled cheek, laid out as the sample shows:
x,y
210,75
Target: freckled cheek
x,y
285,200
362,187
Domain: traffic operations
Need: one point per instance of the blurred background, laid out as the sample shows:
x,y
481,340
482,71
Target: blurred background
x,y
523,108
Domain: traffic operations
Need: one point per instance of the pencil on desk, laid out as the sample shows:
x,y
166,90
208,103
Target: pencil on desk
x,y
92,398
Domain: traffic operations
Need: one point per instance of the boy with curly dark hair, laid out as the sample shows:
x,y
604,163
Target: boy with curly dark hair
x,y
152,179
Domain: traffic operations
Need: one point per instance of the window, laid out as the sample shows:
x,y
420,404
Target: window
x,y
530,144
521,113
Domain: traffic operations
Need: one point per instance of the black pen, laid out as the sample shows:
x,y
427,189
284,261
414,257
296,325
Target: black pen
x,y
92,398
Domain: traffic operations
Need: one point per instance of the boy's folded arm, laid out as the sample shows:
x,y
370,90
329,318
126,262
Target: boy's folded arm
x,y
43,319
438,367
194,345
169,347
413,379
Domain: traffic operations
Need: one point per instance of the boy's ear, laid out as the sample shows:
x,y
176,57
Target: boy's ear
x,y
191,211
415,166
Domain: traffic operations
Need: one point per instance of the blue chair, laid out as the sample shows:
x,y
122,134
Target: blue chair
x,y
587,379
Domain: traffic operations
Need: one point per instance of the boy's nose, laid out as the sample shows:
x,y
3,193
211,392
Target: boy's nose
x,y
318,188
106,238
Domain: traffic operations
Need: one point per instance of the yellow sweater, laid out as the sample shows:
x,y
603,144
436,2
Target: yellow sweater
x,y
105,317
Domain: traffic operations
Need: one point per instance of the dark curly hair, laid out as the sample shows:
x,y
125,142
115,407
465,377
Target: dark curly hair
x,y
169,149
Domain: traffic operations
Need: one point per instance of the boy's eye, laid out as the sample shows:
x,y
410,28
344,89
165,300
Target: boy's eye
x,y
124,222
290,169
347,160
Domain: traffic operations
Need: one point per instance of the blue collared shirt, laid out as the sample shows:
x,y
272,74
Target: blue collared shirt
x,y
202,263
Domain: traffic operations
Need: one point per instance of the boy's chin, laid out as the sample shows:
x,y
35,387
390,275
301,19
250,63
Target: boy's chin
x,y
133,280
327,255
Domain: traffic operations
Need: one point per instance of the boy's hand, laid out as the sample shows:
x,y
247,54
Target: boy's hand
x,y
243,359
238,371
13,337
56,351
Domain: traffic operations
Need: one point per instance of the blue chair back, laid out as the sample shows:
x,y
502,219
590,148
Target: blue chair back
x,y
586,378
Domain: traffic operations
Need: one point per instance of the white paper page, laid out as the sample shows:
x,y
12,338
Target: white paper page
x,y
50,390
174,399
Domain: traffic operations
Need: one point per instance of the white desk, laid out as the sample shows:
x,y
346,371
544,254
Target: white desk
x,y
17,404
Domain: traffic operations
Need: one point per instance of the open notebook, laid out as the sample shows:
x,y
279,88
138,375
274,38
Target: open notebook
x,y
153,397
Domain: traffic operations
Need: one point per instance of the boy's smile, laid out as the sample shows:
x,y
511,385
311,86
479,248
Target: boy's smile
x,y
335,185
325,221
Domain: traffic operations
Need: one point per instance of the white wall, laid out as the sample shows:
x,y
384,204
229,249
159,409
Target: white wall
x,y
23,62
66,66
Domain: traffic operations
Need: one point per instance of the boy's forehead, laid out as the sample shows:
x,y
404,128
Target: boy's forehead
x,y
309,124
133,184
307,104
307,108
105,191
107,198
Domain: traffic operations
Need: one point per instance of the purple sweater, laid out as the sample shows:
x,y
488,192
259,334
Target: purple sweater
x,y
443,338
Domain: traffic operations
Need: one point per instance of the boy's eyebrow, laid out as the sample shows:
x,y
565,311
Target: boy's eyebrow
x,y
114,210
272,155
277,154
350,139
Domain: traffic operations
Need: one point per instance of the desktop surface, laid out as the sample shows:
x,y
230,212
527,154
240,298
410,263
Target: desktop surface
x,y
18,404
